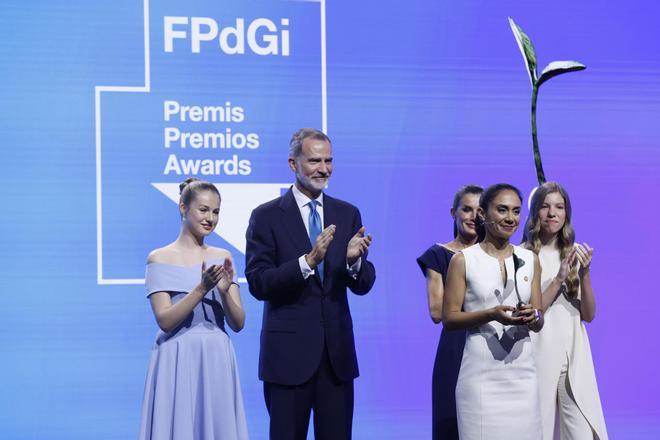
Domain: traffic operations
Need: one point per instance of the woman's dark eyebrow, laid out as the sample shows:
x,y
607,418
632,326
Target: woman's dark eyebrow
x,y
508,207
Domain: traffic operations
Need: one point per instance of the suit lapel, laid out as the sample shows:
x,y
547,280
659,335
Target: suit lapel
x,y
294,224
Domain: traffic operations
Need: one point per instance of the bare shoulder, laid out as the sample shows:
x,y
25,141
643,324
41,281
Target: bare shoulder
x,y
166,255
457,262
456,274
217,253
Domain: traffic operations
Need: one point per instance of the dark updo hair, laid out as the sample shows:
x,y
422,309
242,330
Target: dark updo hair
x,y
487,197
189,188
467,189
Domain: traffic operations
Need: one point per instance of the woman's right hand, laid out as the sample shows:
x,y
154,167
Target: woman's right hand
x,y
501,314
566,265
211,276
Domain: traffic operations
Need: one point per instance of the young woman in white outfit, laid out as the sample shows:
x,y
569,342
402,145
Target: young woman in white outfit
x,y
567,382
493,291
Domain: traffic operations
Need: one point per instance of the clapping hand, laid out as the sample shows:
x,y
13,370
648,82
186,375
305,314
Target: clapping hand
x,y
211,276
227,276
317,254
358,246
584,255
567,264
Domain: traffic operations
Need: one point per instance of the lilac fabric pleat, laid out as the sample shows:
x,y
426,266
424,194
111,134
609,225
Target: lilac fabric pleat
x,y
192,390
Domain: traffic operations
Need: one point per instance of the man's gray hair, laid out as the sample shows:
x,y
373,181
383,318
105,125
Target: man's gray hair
x,y
295,146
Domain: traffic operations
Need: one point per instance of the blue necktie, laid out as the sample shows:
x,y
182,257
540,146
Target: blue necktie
x,y
315,230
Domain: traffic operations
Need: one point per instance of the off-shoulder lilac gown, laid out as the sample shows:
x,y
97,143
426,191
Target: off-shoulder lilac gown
x,y
192,389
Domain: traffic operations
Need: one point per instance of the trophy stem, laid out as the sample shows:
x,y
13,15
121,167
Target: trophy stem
x,y
540,175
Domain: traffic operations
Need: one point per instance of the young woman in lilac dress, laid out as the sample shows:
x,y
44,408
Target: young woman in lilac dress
x,y
192,389
434,264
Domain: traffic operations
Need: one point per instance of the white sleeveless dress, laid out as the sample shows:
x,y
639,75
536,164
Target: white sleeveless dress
x,y
564,340
497,391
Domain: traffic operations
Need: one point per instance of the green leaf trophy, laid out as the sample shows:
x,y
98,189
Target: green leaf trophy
x,y
551,70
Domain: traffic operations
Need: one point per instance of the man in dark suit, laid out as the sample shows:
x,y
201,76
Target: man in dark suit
x,y
301,270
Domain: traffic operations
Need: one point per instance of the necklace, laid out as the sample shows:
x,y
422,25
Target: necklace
x,y
502,255
501,260
503,272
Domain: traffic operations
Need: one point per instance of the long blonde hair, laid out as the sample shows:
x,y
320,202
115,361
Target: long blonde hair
x,y
565,237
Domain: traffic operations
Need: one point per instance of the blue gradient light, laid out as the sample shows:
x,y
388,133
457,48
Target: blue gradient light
x,y
422,98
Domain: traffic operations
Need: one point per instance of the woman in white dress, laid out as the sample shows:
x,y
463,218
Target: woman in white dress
x,y
567,382
493,291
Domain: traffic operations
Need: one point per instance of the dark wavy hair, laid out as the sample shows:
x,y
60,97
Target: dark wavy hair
x,y
467,189
565,237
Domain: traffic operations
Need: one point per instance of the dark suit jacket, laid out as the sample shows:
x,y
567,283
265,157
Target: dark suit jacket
x,y
300,315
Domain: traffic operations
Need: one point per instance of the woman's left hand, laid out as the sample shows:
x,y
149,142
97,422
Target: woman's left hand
x,y
227,276
584,254
527,312
531,317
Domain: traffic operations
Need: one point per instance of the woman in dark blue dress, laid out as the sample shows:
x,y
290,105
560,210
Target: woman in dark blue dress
x,y
434,264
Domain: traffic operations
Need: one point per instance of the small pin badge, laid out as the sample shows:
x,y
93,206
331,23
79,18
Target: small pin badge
x,y
526,278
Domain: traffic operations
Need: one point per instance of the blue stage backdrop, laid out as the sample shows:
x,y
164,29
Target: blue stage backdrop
x,y
107,106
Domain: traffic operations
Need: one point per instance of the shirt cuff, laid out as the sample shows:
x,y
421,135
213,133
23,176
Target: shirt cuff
x,y
355,268
304,267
